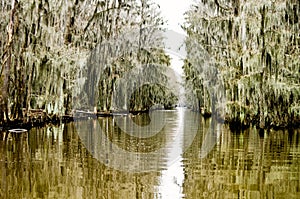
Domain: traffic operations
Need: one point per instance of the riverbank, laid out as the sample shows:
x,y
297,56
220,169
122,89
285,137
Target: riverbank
x,y
38,118
239,124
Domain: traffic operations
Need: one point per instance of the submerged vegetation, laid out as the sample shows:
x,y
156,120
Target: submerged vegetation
x,y
249,51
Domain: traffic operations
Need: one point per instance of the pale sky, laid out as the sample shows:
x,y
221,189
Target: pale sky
x,y
173,11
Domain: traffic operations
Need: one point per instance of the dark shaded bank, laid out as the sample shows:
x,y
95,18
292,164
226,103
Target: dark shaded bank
x,y
43,120
40,119
237,125
36,122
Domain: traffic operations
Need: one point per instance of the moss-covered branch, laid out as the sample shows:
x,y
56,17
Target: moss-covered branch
x,y
255,50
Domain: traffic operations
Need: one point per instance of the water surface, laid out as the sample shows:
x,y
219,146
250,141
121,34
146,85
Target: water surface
x,y
56,162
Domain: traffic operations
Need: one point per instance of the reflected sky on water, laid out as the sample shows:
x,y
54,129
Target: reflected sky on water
x,y
54,162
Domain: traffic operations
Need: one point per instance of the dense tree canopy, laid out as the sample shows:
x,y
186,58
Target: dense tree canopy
x,y
253,49
242,59
48,52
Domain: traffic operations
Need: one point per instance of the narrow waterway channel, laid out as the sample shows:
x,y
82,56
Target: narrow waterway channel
x,y
68,161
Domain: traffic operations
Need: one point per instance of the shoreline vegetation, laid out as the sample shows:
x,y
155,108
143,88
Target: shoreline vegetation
x,y
242,64
39,118
243,61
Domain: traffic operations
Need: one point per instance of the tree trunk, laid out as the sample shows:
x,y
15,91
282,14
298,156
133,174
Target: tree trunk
x,y
6,64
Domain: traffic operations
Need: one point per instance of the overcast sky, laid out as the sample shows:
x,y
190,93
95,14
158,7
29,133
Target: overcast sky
x,y
173,11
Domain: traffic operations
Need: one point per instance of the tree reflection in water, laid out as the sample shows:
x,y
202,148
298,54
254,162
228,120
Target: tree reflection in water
x,y
51,162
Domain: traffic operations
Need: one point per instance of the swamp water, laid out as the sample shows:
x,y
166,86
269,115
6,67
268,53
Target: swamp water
x,y
185,159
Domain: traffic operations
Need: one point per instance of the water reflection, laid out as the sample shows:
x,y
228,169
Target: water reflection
x,y
172,178
52,162
118,149
246,165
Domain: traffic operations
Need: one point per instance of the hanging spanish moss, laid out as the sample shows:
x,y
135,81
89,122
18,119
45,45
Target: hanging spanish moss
x,y
118,67
254,45
47,46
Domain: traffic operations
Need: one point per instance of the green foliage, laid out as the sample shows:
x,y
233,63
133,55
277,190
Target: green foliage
x,y
254,45
48,58
134,47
